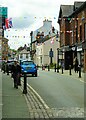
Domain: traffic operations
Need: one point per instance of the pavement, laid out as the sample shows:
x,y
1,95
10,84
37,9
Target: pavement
x,y
13,101
73,74
15,104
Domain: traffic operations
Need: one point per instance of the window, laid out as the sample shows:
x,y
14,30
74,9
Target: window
x,y
85,31
41,60
27,62
76,35
20,55
26,55
80,32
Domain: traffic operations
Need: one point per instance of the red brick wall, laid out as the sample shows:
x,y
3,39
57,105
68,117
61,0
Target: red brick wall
x,y
85,60
81,22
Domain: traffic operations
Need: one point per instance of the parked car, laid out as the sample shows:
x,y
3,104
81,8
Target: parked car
x,y
29,67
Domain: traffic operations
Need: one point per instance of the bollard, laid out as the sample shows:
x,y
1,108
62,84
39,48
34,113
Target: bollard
x,y
79,72
55,67
62,69
25,84
48,68
4,69
7,69
70,70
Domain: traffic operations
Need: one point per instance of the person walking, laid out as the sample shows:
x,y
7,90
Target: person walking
x,y
75,63
16,72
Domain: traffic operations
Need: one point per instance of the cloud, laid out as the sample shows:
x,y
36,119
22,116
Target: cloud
x,y
22,22
29,14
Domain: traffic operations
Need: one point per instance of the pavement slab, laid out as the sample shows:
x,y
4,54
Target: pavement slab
x,y
14,103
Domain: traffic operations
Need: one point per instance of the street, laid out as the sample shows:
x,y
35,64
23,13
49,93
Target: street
x,y
58,90
52,95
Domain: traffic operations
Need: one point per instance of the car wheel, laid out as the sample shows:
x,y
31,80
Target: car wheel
x,y
32,75
35,74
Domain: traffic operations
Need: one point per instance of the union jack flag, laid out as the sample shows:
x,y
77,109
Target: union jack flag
x,y
8,23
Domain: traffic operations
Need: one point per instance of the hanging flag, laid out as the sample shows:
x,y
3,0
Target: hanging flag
x,y
52,41
8,23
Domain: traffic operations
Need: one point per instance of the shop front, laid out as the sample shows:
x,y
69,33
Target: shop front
x,y
84,49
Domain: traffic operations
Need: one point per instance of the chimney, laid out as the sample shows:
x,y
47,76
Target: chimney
x,y
47,23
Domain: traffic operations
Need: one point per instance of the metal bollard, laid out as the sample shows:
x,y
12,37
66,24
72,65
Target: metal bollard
x,y
48,68
7,70
25,84
62,69
79,72
4,69
55,67
70,70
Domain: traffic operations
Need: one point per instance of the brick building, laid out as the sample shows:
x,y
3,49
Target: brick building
x,y
72,21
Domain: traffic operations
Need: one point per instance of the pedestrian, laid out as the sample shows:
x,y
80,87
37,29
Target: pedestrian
x,y
75,64
16,72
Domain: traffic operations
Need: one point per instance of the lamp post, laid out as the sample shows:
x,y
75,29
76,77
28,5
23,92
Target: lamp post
x,y
31,34
62,62
51,55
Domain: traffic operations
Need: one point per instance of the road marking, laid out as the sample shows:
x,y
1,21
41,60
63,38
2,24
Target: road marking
x,y
45,105
38,96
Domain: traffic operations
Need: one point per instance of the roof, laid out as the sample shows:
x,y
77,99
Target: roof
x,y
24,51
77,4
46,28
65,10
81,7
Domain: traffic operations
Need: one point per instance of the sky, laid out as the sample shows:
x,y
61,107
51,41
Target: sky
x,y
28,15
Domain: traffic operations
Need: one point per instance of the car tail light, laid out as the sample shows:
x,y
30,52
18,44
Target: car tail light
x,y
35,67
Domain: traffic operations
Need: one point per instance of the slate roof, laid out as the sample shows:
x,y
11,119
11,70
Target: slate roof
x,y
67,10
46,28
80,8
24,51
77,4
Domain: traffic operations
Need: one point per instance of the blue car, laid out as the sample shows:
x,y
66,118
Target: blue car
x,y
29,67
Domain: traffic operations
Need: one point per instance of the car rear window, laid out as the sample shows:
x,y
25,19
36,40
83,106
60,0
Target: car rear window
x,y
10,61
27,62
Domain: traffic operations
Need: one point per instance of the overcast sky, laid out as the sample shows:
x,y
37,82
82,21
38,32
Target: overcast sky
x,y
28,15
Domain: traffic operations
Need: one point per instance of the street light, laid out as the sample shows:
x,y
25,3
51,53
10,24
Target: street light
x,y
57,59
31,34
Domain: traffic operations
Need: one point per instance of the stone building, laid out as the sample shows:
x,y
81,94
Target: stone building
x,y
43,40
